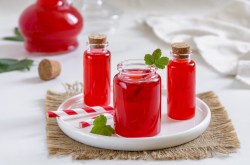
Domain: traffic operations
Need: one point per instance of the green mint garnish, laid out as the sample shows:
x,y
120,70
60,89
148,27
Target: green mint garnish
x,y
156,59
101,128
7,64
17,36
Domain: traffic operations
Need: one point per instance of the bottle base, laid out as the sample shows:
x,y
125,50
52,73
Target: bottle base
x,y
181,118
137,135
134,136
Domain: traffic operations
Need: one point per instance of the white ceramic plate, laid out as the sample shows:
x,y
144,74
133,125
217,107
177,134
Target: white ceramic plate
x,y
172,132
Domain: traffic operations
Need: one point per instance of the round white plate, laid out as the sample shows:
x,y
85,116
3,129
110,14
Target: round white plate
x,y
172,132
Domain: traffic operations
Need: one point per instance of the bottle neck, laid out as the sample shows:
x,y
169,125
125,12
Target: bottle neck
x,y
181,57
136,71
97,47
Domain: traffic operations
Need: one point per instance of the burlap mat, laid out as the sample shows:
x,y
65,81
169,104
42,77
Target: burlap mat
x,y
219,139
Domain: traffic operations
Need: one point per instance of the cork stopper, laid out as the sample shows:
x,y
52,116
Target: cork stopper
x,y
97,38
180,48
49,69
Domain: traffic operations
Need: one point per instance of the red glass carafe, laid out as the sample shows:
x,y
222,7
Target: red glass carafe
x,y
50,26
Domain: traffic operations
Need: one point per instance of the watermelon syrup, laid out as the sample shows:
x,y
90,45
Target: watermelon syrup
x,y
96,79
181,83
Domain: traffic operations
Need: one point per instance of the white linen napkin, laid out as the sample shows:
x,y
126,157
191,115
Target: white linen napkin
x,y
222,38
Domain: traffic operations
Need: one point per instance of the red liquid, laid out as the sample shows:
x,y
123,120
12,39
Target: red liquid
x,y
96,77
137,106
50,26
181,89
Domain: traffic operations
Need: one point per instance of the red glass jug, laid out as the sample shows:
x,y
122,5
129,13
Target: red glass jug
x,y
50,26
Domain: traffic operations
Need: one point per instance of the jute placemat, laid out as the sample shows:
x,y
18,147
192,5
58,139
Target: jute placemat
x,y
219,139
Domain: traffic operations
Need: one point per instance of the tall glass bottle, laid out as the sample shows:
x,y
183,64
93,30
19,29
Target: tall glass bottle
x,y
96,63
99,15
181,83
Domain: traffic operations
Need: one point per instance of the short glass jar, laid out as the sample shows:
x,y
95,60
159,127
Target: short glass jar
x,y
137,99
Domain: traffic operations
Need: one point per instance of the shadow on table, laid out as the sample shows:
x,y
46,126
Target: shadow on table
x,y
32,80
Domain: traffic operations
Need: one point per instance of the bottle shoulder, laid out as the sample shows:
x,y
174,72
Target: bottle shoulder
x,y
190,63
97,53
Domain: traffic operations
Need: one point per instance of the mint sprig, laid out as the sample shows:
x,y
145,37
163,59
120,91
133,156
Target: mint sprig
x,y
9,64
17,36
101,128
156,59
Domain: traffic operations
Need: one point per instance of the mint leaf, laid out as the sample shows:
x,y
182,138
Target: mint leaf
x,y
3,68
13,38
21,65
17,32
106,130
149,60
156,59
157,54
161,63
4,63
164,60
101,128
7,61
100,120
7,65
17,36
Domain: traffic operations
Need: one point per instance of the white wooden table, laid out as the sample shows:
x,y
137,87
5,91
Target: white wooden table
x,y
22,94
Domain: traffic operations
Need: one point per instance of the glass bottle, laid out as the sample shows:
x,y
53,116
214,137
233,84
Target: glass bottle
x,y
96,64
137,99
181,83
50,26
100,16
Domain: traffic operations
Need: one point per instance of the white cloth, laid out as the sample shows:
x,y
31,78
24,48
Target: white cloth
x,y
222,37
